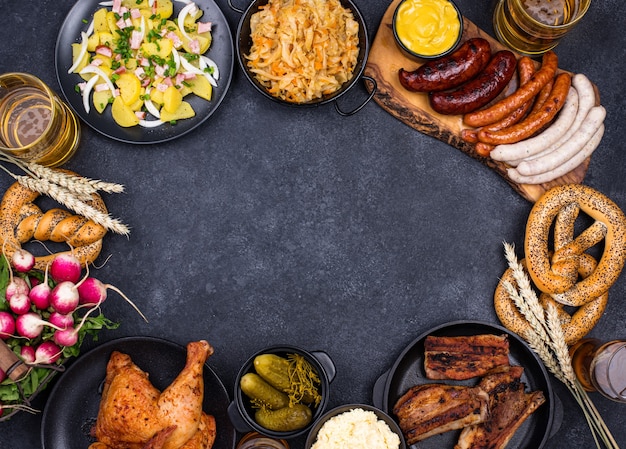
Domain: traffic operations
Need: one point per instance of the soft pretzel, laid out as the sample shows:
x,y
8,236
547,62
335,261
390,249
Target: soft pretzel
x,y
21,220
575,326
558,275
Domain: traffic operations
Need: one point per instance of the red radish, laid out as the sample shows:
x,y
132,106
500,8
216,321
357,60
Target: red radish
x,y
64,297
30,325
23,261
7,325
19,304
28,354
40,294
93,291
48,352
65,267
66,337
16,286
60,320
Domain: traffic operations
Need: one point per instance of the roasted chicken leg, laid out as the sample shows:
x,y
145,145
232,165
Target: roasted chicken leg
x,y
133,414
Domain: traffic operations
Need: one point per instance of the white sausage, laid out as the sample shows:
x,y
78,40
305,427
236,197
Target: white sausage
x,y
567,167
518,151
586,100
568,149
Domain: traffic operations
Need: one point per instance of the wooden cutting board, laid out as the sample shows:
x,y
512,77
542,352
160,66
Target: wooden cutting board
x,y
412,108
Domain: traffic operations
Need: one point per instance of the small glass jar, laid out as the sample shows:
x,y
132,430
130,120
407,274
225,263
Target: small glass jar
x,y
601,367
254,440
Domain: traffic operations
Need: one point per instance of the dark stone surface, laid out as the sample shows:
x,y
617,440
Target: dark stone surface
x,y
353,235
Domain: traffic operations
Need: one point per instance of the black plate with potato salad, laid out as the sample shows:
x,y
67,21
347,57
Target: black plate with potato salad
x,y
449,372
115,61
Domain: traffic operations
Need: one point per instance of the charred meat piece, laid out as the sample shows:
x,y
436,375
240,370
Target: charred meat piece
x,y
464,357
430,409
509,406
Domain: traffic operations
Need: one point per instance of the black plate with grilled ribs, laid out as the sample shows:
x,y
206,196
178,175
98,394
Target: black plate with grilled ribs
x,y
408,371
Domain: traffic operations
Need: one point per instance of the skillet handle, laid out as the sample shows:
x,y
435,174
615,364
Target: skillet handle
x,y
235,8
358,108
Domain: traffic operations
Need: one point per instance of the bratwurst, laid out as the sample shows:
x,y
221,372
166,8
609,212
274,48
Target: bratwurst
x,y
449,71
480,90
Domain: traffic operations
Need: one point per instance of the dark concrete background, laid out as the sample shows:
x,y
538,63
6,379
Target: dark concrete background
x,y
353,235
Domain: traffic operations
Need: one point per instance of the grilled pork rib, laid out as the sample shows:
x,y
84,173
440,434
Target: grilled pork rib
x,y
430,409
509,406
464,357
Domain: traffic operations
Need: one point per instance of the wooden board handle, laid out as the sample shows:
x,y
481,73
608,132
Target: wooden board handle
x,y
11,364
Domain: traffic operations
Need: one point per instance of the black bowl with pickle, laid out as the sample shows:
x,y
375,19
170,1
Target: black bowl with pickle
x,y
281,391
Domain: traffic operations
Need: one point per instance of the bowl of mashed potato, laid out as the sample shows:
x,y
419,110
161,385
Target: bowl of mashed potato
x,y
357,426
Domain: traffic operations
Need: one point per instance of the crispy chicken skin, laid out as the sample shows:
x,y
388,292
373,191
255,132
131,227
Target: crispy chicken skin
x,y
464,357
133,414
430,409
509,407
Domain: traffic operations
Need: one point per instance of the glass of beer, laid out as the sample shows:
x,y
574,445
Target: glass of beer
x,y
601,367
532,27
35,124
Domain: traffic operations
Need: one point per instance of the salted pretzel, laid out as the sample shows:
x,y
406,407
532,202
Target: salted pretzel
x,y
21,220
575,326
556,270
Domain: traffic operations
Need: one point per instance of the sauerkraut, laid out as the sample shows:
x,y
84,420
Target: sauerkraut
x,y
303,50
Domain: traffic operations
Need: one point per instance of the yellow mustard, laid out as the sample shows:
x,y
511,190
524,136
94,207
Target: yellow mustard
x,y
427,27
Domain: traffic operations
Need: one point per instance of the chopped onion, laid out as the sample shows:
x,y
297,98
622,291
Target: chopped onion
x,y
193,69
101,74
81,54
205,61
181,18
176,58
150,105
150,123
87,90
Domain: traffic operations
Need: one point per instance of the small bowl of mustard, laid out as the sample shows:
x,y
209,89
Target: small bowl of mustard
x,y
427,29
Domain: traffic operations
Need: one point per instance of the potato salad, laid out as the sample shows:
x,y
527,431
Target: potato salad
x,y
140,59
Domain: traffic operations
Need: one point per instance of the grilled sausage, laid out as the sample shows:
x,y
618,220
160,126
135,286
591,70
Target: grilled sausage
x,y
448,71
525,93
480,90
534,122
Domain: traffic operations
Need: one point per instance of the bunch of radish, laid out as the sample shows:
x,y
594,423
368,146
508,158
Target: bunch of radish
x,y
44,316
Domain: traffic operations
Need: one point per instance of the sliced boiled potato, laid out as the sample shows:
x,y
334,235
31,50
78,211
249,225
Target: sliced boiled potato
x,y
106,38
101,99
130,87
100,22
75,53
164,9
93,41
201,87
161,48
172,99
112,21
203,41
184,111
123,114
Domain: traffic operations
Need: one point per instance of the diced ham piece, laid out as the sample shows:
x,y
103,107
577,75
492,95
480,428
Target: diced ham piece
x,y
135,13
160,70
136,38
101,86
176,41
104,50
204,27
162,87
120,69
96,62
194,46
117,4
141,115
180,78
